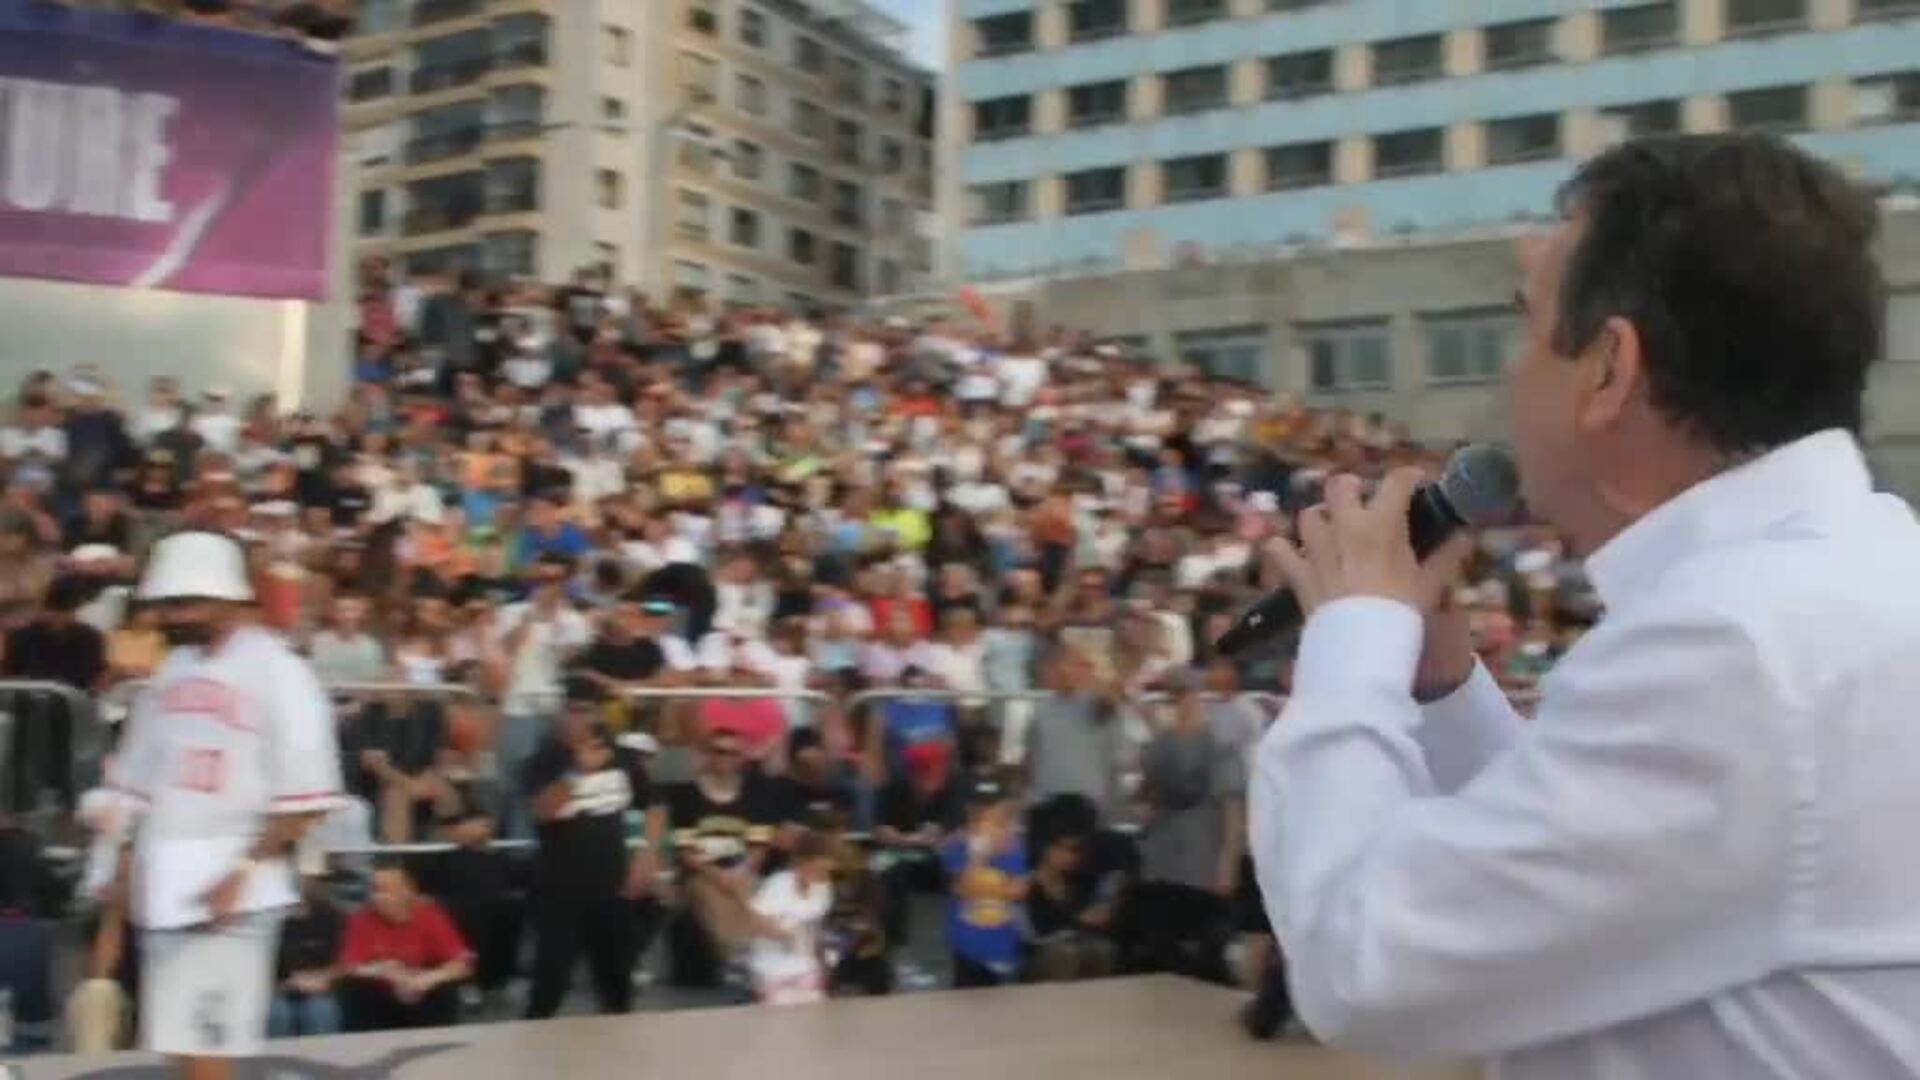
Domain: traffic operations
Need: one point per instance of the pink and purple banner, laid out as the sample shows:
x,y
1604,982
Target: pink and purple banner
x,y
140,152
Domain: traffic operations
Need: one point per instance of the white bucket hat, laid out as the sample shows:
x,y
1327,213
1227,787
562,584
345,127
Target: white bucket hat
x,y
196,566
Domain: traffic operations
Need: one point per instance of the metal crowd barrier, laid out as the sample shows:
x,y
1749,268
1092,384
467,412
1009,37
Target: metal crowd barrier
x,y
36,717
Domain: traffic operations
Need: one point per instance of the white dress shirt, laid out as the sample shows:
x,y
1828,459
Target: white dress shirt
x,y
1696,862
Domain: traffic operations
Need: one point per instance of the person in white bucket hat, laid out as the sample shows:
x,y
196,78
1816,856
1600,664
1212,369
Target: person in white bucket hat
x,y
229,758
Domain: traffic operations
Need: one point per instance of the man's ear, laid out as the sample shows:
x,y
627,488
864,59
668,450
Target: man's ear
x,y
1613,368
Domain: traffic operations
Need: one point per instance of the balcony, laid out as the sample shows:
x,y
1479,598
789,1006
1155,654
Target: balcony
x,y
452,144
510,130
525,201
520,54
435,77
425,220
428,12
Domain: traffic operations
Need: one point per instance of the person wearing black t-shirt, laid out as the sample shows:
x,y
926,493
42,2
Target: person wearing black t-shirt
x,y
625,654
582,788
718,826
917,811
54,647
809,796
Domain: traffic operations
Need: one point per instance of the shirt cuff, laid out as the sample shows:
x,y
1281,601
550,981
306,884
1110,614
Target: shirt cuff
x,y
1359,643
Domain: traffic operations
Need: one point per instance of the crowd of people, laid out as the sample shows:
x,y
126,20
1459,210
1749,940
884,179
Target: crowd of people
x,y
811,613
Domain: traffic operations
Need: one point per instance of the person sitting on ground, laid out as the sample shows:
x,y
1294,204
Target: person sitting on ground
x,y
402,961
1071,922
986,864
789,911
303,1001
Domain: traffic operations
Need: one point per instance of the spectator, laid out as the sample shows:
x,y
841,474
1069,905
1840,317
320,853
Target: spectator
x,y
986,867
536,638
718,828
1071,924
586,884
918,810
344,650
790,909
53,647
303,1001
402,961
1076,741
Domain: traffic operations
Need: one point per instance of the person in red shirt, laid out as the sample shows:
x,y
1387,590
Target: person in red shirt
x,y
403,960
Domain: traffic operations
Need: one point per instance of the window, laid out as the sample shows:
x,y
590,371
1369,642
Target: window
x,y
1088,20
702,18
1523,138
850,80
1519,44
369,84
999,35
1639,28
1300,75
516,112
512,253
612,109
1408,153
1889,98
373,212
1188,12
444,202
1002,118
743,227
749,94
1093,104
699,77
1903,328
800,246
1780,108
1745,17
753,27
689,276
696,214
1228,352
747,159
1351,356
847,198
1624,122
893,156
1468,346
377,16
608,187
1863,10
1302,165
1405,60
1186,179
513,185
696,147
1094,190
844,268
742,289
809,55
889,274
803,182
1002,201
616,45
1194,89
808,121
893,216
847,139
893,97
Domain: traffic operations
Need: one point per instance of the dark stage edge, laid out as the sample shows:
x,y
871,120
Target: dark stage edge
x,y
1158,1028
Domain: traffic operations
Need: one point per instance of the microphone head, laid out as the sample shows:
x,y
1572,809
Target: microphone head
x,y
1482,484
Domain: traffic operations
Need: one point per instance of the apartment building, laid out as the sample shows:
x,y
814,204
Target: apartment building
x,y
1085,136
762,151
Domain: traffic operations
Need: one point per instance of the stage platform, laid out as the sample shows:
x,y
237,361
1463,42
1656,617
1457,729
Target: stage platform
x,y
1121,1029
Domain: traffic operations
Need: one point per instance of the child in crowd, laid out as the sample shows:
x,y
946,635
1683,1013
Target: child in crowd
x,y
789,910
986,864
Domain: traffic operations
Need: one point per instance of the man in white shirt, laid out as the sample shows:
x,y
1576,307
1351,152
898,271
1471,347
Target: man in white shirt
x,y
1690,863
215,425
229,759
537,637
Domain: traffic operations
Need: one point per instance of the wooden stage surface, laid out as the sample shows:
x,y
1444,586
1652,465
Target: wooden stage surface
x,y
1121,1029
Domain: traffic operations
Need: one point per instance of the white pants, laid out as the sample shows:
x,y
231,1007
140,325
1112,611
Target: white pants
x,y
204,992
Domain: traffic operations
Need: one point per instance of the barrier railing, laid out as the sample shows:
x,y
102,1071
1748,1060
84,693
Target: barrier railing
x,y
51,743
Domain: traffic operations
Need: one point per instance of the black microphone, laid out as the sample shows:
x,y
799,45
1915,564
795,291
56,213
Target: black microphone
x,y
1479,486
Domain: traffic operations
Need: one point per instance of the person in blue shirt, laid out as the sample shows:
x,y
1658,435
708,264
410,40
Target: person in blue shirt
x,y
986,865
548,532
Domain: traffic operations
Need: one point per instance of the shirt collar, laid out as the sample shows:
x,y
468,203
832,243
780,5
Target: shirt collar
x,y
1741,502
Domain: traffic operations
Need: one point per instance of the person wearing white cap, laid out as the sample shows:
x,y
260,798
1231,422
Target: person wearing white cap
x,y
230,757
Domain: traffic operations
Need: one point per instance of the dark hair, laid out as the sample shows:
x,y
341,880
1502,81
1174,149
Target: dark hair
x,y
1747,268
